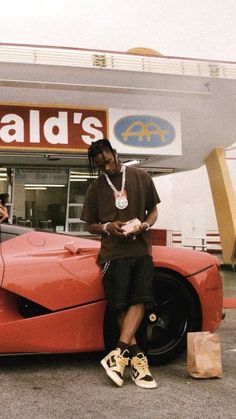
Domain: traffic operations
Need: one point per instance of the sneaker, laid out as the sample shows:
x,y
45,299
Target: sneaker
x,y
115,363
140,372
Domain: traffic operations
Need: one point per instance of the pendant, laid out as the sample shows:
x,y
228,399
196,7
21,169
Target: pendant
x,y
121,200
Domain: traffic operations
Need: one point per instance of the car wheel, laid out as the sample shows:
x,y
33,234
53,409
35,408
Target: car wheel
x,y
163,332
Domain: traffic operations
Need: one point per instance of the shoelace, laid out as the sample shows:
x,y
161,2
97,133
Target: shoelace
x,y
142,365
123,361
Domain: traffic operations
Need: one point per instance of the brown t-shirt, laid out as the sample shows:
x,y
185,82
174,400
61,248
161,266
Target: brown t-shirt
x,y
99,207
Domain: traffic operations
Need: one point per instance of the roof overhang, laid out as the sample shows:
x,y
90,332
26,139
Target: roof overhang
x,y
201,91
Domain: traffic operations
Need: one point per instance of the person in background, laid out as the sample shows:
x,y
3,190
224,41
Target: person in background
x,y
118,195
4,216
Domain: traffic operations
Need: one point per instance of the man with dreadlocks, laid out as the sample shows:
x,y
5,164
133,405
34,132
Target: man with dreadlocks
x,y
118,195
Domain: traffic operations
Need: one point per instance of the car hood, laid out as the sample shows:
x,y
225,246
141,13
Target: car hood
x,y
56,271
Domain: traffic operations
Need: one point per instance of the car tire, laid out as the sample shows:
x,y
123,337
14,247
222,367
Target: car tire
x,y
163,332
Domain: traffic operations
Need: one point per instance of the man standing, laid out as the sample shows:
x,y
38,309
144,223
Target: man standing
x,y
118,195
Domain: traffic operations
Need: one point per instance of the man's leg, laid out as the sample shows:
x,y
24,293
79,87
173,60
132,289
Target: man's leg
x,y
129,322
116,361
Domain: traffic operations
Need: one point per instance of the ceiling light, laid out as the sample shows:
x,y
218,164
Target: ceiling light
x,y
74,172
82,176
78,180
44,185
131,162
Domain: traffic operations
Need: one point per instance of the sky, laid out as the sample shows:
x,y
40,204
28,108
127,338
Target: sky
x,y
183,28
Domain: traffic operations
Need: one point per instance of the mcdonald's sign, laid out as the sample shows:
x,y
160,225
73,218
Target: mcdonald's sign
x,y
137,132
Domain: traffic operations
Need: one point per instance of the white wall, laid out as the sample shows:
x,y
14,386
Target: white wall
x,y
186,200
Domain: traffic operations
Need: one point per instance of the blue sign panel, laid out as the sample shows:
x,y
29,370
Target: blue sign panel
x,y
144,131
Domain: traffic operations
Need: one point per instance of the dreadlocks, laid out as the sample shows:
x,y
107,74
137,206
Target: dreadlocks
x,y
96,148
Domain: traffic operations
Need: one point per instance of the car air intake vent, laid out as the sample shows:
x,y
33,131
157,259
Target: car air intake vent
x,y
29,308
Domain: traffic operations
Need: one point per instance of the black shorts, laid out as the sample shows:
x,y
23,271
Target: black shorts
x,y
129,281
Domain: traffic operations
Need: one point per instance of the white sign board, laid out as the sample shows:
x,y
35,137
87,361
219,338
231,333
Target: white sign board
x,y
145,133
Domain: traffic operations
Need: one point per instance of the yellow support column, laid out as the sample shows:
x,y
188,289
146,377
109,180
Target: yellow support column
x,y
224,201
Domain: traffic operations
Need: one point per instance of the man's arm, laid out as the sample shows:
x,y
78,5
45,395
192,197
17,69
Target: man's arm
x,y
150,219
114,228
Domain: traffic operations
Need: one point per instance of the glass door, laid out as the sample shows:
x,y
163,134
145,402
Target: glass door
x,y
78,184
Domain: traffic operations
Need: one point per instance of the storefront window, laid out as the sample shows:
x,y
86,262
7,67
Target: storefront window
x,y
40,198
48,199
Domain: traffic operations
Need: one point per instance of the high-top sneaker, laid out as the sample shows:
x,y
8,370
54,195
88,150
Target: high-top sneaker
x,y
140,372
115,363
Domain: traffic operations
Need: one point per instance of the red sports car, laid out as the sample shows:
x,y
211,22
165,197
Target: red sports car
x,y
52,299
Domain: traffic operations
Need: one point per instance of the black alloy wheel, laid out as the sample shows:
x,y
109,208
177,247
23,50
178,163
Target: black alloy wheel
x,y
163,332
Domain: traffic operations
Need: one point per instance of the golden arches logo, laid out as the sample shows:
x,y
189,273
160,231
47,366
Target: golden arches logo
x,y
144,131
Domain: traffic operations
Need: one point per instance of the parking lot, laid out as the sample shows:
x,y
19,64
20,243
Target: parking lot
x,y
75,386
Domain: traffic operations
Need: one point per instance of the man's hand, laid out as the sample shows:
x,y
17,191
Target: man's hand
x,y
115,228
143,227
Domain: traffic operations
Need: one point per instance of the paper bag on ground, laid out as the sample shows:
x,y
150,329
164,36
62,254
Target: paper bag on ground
x,y
204,355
